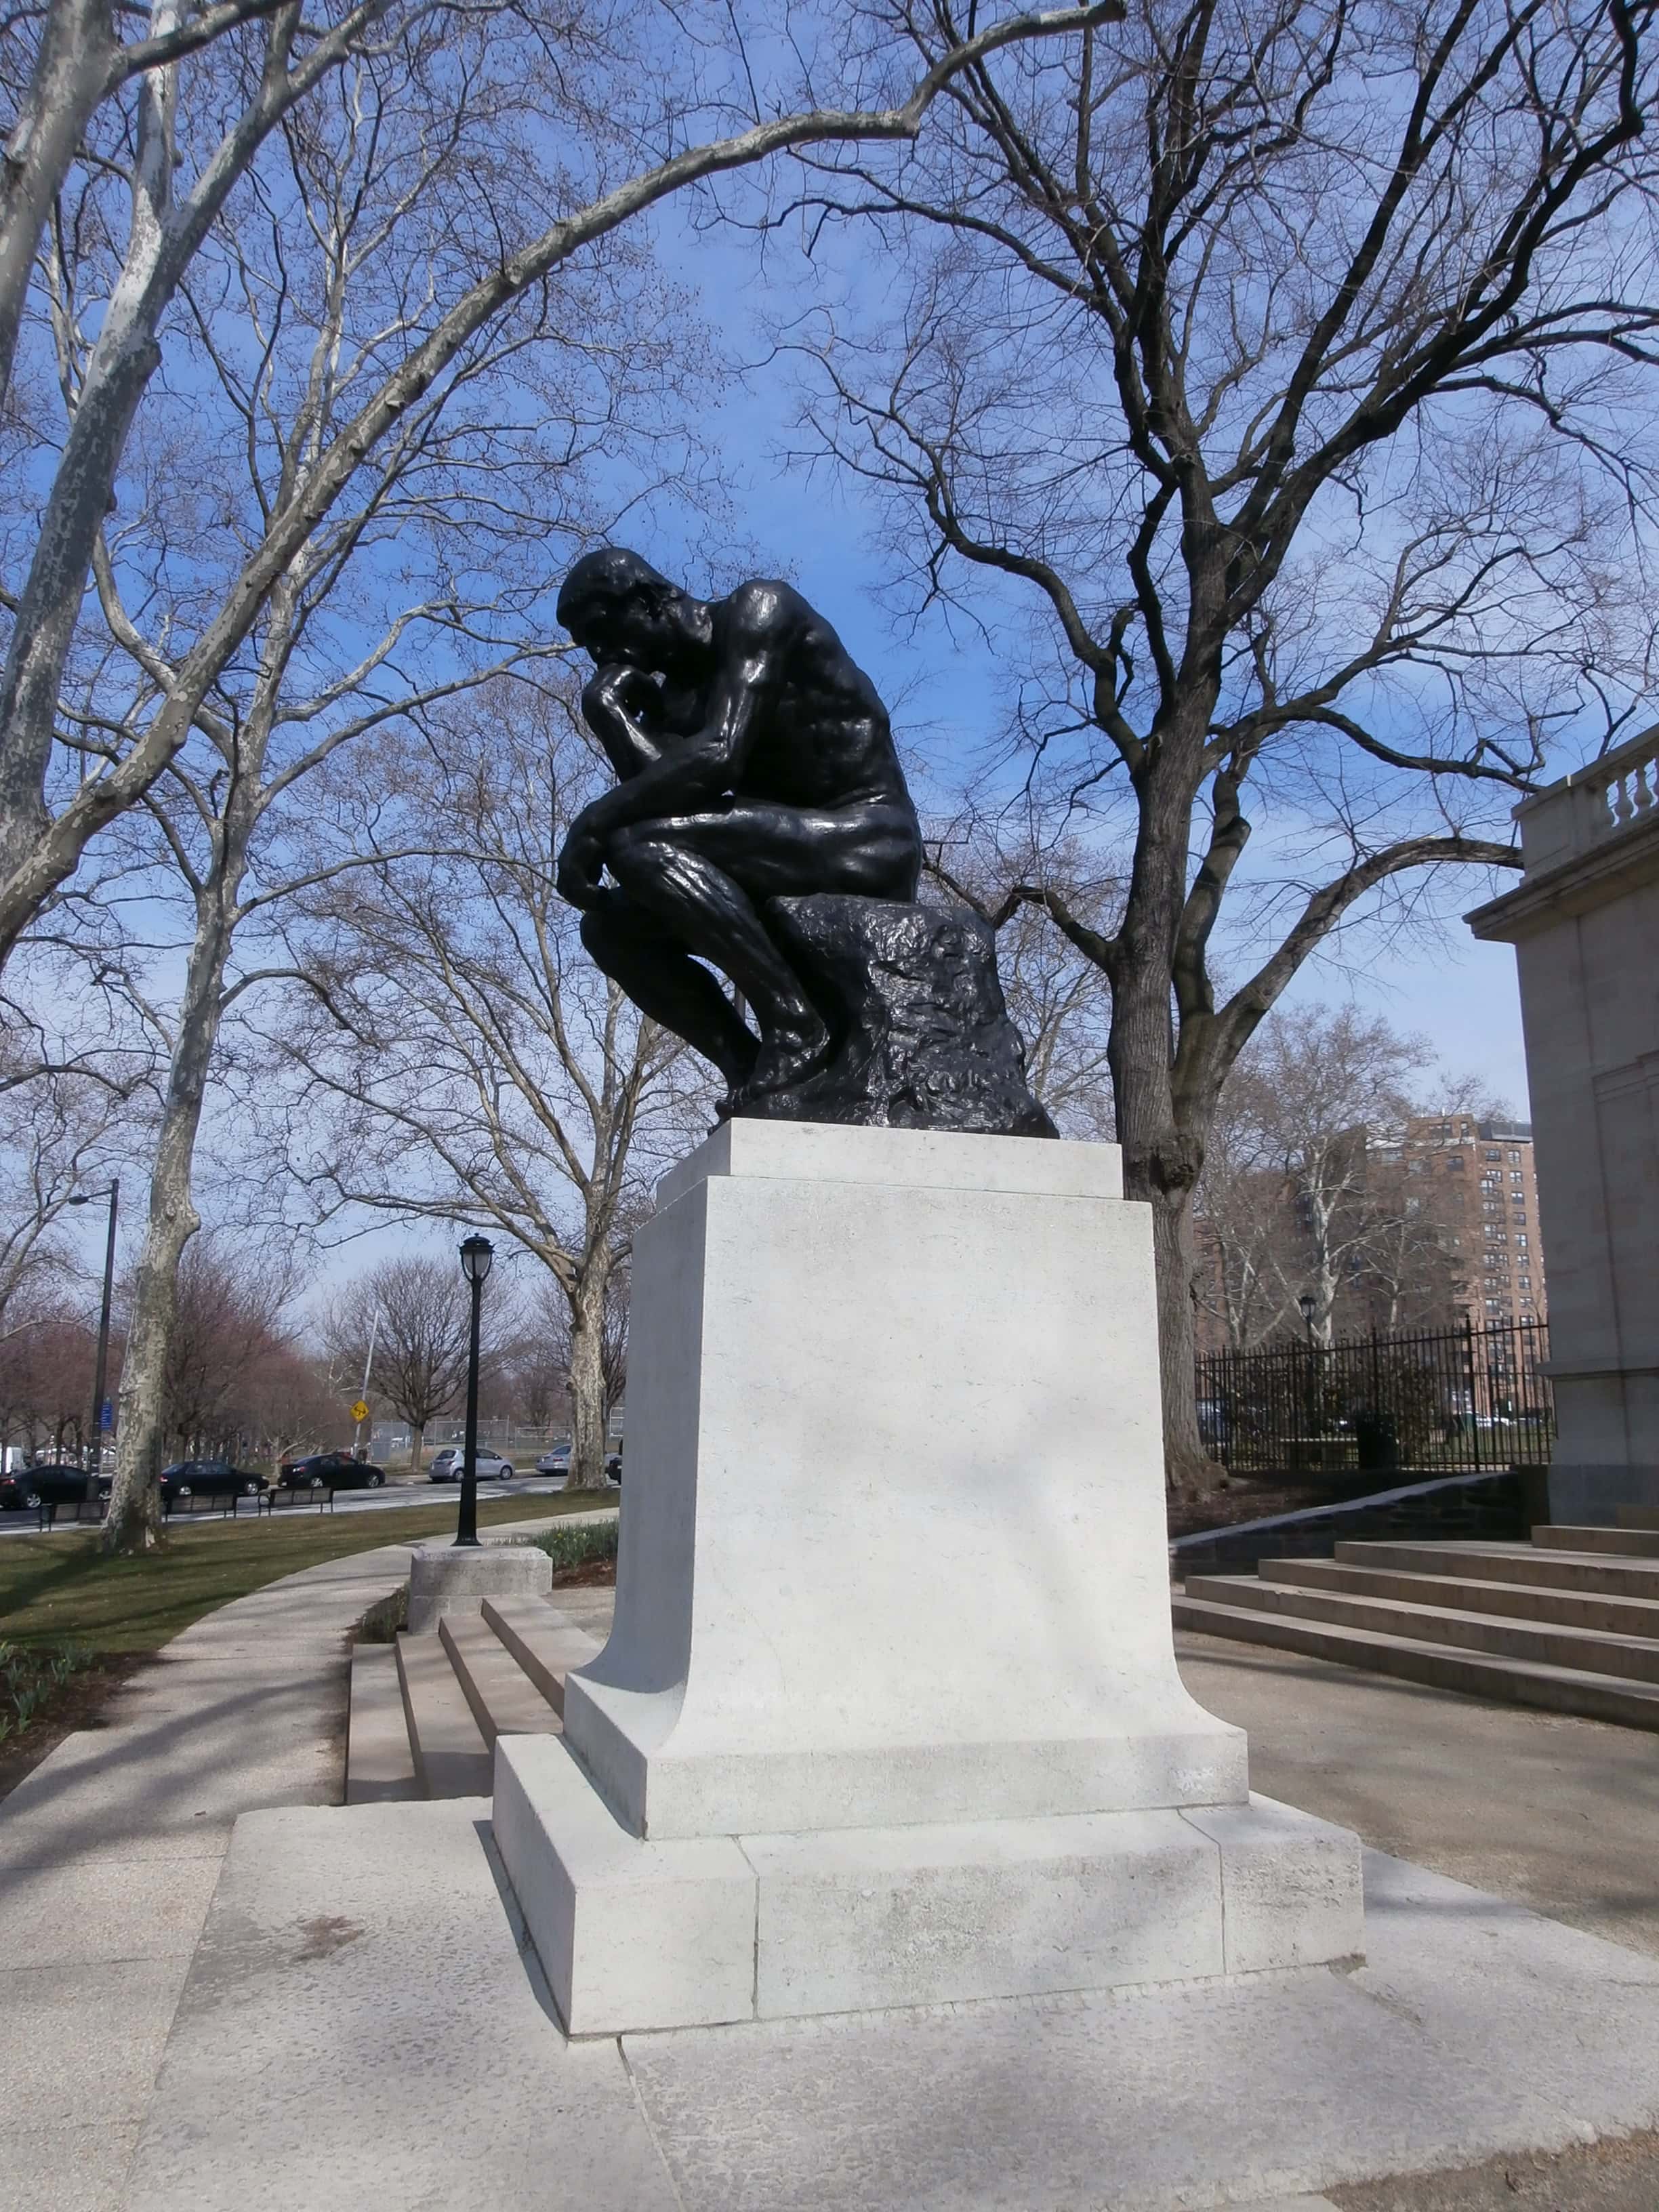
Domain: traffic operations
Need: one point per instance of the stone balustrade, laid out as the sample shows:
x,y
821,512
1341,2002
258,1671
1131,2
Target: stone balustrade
x,y
1622,790
1616,795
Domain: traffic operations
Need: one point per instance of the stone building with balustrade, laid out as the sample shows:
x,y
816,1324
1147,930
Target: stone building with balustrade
x,y
1584,922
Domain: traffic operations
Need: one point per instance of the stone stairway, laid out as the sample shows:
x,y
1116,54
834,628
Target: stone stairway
x,y
427,1710
1569,1622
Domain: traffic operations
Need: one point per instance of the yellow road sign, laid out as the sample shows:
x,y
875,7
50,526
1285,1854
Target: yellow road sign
x,y
360,1410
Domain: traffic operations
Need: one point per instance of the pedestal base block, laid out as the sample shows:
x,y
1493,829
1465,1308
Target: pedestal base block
x,y
698,1931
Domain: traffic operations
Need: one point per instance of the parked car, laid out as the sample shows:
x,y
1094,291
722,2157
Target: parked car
x,y
447,1467
330,1470
52,1483
210,1478
557,1462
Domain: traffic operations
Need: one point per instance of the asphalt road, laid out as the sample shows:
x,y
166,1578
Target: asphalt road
x,y
347,1501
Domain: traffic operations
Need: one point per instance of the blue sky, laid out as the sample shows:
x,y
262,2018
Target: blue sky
x,y
949,687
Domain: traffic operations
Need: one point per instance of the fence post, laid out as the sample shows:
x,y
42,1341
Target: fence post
x,y
1474,1401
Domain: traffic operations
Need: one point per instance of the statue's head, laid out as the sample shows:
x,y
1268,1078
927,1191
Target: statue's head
x,y
618,607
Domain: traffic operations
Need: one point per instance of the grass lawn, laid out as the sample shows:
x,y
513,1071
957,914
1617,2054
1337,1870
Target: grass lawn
x,y
60,1589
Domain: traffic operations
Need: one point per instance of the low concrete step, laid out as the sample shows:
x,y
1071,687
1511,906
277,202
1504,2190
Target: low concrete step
x,y
503,1698
451,1757
1468,1593
1631,1658
1576,1570
1637,1517
380,1761
541,1640
1636,1543
1553,1689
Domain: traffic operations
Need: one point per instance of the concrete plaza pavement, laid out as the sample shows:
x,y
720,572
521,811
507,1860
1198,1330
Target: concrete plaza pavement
x,y
414,2059
112,1850
1554,1812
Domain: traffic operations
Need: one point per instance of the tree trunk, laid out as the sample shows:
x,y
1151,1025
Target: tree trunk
x,y
416,1445
587,1392
134,1505
72,69
1161,1158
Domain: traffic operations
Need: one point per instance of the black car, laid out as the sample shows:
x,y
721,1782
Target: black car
x,y
209,1478
53,1483
330,1470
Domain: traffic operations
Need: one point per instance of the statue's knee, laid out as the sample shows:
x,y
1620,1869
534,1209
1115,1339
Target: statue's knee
x,y
633,855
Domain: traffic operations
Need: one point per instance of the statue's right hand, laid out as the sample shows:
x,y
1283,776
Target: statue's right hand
x,y
619,691
580,867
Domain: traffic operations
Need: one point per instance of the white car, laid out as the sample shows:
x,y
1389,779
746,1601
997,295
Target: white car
x,y
447,1467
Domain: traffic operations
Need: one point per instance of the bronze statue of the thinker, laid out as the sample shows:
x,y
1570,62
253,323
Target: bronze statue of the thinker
x,y
761,823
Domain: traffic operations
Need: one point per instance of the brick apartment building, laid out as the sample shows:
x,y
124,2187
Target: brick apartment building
x,y
1487,1195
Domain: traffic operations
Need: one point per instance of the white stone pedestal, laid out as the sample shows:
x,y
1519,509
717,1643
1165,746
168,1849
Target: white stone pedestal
x,y
889,1712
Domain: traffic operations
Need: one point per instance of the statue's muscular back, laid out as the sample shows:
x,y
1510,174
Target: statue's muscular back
x,y
821,738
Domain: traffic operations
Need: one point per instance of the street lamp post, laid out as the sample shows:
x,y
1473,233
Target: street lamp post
x,y
101,1370
1305,1301
477,1254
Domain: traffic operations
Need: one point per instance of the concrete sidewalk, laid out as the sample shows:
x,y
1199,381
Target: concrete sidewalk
x,y
111,1849
369,1952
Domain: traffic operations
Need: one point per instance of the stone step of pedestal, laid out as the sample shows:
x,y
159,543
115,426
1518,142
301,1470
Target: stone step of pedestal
x,y
379,1761
541,1640
1634,1543
1442,1666
1575,1570
637,1933
1633,1658
1470,1592
451,1757
1637,1517
503,1698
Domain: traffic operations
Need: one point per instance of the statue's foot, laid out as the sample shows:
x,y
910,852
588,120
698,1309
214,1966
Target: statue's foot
x,y
787,1057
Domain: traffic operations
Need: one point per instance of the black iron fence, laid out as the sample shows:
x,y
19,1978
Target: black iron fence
x,y
1444,1402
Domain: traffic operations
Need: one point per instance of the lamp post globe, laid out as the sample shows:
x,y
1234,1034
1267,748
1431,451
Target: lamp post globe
x,y
478,1254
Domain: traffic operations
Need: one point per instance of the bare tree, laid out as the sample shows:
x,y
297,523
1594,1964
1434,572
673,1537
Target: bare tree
x,y
545,1353
1247,1235
1057,999
1291,368
59,65
285,1403
462,1055
1323,1092
1413,1269
241,86
329,268
227,1319
1309,1188
45,1376
416,1314
594,125
59,1135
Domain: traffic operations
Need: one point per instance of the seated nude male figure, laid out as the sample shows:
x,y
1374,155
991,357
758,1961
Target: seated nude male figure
x,y
754,761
